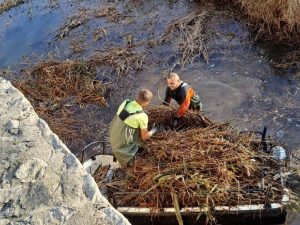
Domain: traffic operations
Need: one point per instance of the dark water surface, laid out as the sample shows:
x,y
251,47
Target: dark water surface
x,y
239,82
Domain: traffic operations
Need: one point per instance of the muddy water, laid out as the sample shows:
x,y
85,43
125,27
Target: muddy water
x,y
239,82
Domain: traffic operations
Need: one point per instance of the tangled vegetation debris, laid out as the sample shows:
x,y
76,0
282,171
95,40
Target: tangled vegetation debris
x,y
121,59
72,23
58,89
77,46
209,166
99,34
290,60
8,4
110,13
193,37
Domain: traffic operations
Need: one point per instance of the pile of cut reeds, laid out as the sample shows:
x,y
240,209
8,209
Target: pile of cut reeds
x,y
211,165
162,116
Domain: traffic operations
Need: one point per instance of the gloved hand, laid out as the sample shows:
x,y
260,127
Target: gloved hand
x,y
175,121
153,125
153,130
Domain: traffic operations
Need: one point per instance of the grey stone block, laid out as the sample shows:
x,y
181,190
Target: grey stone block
x,y
62,213
92,191
12,126
43,183
4,221
31,169
56,143
71,160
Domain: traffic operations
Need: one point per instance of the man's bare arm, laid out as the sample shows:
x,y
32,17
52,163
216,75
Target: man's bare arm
x,y
145,134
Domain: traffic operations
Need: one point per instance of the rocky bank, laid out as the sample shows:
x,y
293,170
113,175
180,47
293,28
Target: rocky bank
x,y
41,181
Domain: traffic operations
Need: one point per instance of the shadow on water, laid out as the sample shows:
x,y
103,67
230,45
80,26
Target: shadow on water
x,y
239,82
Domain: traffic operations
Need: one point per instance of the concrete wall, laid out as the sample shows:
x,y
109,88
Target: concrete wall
x,y
41,181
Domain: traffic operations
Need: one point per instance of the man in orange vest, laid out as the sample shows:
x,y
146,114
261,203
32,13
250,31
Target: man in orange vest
x,y
183,94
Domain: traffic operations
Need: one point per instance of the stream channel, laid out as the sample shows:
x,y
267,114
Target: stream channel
x,y
239,82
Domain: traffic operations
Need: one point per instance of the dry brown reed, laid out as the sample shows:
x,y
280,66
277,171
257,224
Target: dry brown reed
x,y
110,13
8,4
193,37
99,34
292,59
163,115
65,79
75,21
277,20
122,59
204,167
58,89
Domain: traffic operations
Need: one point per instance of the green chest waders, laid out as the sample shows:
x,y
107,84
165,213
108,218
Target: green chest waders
x,y
123,138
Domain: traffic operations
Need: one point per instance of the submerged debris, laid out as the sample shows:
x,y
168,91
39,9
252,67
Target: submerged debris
x,y
99,34
193,39
290,60
8,4
77,46
110,13
121,59
72,23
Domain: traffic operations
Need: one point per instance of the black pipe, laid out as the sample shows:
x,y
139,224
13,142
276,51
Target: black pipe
x,y
264,133
263,140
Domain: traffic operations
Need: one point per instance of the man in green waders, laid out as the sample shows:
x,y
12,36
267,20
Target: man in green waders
x,y
129,124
